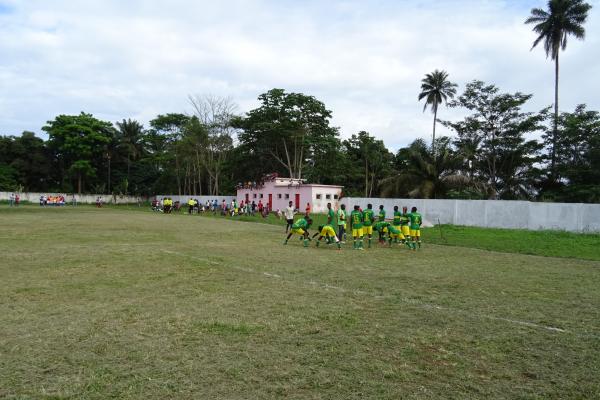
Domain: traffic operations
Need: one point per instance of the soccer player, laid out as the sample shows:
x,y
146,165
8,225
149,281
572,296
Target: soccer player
x,y
381,228
397,217
368,219
404,225
341,223
415,227
300,227
330,215
356,223
393,232
328,232
381,219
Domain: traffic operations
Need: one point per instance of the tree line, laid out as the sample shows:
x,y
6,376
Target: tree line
x,y
498,151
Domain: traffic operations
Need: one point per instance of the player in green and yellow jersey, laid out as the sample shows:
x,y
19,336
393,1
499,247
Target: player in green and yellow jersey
x,y
356,223
395,234
381,218
397,217
415,227
381,228
330,215
392,232
404,225
300,227
327,231
368,220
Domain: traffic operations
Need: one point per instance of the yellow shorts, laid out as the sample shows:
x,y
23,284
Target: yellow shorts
x,y
328,231
367,230
357,232
397,235
415,232
298,231
405,230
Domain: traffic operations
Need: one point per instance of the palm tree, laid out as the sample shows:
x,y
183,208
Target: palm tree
x,y
436,89
563,18
423,176
130,132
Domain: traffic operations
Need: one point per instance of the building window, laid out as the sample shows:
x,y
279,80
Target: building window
x,y
254,195
261,195
279,196
335,196
287,195
328,196
318,197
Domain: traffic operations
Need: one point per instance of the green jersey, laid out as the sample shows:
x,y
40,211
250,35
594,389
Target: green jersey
x,y
300,224
397,217
368,217
381,215
393,230
330,216
415,220
380,226
356,218
341,217
404,219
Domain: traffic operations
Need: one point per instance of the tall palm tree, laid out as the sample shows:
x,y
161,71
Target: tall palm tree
x,y
130,132
436,89
563,18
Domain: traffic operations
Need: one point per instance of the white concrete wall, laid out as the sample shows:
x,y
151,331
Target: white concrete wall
x,y
81,198
574,217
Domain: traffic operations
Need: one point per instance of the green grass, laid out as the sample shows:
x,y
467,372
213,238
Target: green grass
x,y
541,243
111,303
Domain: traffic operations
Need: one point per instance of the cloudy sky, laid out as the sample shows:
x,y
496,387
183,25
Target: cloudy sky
x,y
363,58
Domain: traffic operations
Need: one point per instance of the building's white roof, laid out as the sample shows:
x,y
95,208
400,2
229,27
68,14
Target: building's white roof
x,y
299,182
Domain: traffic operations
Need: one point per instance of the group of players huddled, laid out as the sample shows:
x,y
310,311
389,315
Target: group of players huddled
x,y
403,230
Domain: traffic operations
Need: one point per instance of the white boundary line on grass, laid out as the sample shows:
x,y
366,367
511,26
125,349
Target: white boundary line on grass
x,y
423,305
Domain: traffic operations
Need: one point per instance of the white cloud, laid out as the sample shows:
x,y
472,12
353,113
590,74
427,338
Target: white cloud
x,y
363,59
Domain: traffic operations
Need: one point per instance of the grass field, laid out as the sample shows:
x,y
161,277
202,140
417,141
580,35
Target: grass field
x,y
112,303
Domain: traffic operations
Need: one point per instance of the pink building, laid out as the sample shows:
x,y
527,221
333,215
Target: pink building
x,y
277,192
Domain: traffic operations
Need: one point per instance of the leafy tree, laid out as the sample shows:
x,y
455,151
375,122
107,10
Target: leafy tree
x,y
436,89
8,178
369,161
167,131
285,131
29,159
216,114
496,133
553,27
78,141
422,175
130,134
578,157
